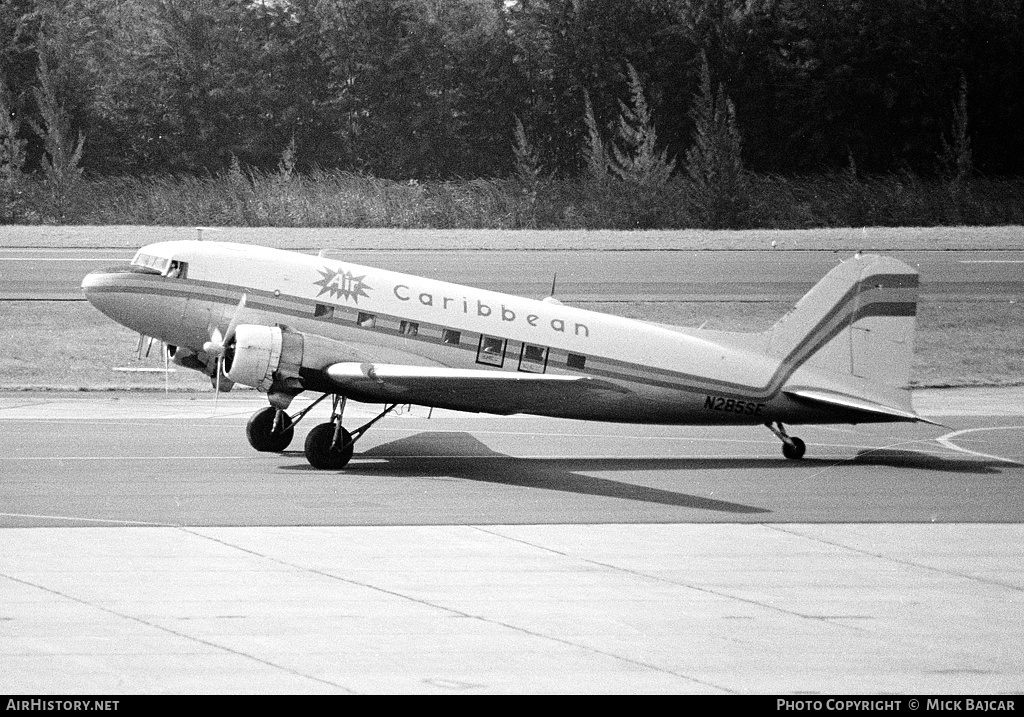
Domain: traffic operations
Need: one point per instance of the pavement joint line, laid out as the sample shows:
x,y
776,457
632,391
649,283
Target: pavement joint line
x,y
689,586
65,259
126,458
176,633
462,613
71,518
789,529
19,406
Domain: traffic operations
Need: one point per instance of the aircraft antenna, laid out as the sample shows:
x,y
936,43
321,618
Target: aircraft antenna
x,y
200,231
550,299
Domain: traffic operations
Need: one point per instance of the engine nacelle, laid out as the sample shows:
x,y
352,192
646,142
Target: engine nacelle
x,y
264,357
254,355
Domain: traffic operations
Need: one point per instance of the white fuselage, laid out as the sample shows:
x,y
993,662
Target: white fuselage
x,y
666,375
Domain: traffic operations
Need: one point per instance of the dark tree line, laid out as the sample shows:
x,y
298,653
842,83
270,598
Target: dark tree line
x,y
434,88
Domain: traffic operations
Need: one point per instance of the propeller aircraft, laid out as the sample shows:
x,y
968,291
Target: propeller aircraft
x,y
286,322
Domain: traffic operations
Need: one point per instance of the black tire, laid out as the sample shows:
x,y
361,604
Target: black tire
x,y
319,452
261,435
796,451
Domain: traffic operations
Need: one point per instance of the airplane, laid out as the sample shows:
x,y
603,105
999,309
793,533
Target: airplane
x,y
286,322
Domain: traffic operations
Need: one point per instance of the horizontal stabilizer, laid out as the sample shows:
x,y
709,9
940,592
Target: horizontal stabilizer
x,y
835,399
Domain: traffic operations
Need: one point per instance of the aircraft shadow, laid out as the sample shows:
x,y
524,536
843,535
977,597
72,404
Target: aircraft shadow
x,y
462,456
926,461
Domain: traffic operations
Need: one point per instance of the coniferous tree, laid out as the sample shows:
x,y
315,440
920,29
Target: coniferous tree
x,y
594,153
714,164
12,157
63,153
957,161
528,169
635,158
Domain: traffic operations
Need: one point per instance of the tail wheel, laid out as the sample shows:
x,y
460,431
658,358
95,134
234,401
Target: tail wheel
x,y
319,451
795,449
261,434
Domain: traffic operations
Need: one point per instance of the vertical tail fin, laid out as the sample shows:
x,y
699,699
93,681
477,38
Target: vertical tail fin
x,y
858,320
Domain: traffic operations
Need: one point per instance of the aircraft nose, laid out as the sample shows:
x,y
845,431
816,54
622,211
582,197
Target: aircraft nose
x,y
91,280
93,283
139,300
104,289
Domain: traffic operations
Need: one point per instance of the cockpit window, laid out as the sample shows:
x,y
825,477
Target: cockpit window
x,y
149,264
148,261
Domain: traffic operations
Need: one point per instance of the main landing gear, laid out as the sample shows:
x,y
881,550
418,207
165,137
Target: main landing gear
x,y
792,447
328,446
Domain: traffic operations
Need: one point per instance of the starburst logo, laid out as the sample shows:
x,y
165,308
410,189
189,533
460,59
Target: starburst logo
x,y
342,284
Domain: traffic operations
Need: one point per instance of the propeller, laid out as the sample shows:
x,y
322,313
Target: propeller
x,y
217,347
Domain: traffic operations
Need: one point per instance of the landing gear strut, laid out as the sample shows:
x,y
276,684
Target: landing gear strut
x,y
792,447
329,446
271,430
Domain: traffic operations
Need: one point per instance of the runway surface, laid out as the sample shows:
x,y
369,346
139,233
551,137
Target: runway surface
x,y
154,460
464,554
633,275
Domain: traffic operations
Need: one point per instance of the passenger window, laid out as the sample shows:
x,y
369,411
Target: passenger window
x,y
576,361
533,359
409,328
324,311
451,337
491,351
366,321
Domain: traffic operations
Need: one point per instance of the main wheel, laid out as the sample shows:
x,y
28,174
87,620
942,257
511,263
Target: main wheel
x,y
318,448
796,451
261,434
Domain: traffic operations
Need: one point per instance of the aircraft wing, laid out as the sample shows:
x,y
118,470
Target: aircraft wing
x,y
844,401
501,392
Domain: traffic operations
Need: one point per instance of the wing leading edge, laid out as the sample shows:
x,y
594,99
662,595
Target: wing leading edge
x,y
501,392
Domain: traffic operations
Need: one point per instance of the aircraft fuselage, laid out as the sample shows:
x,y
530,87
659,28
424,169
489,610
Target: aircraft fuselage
x,y
650,373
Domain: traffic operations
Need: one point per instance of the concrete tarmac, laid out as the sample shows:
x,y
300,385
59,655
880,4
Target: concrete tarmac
x,y
474,554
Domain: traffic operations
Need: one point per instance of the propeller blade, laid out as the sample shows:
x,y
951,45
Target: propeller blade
x,y
217,344
216,395
230,334
217,348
